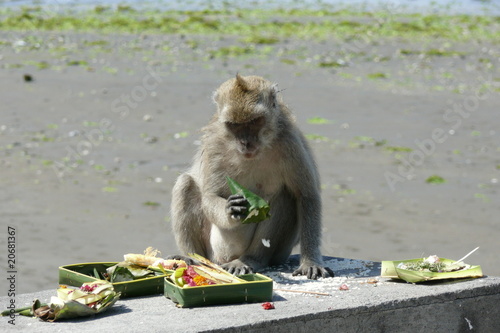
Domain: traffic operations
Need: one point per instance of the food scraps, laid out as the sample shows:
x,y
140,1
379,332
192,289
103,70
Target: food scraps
x,y
268,306
430,268
344,287
188,276
149,258
140,266
90,299
433,264
205,274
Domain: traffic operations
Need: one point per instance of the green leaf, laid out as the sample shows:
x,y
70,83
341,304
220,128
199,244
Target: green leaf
x,y
258,208
124,271
139,272
390,269
96,274
119,274
24,311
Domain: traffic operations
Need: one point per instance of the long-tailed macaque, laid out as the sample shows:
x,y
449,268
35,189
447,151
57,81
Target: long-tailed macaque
x,y
253,139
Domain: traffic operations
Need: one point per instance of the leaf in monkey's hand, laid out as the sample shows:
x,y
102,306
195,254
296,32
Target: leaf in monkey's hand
x,y
258,208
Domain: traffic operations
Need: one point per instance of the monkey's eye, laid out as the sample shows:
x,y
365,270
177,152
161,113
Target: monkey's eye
x,y
257,122
232,126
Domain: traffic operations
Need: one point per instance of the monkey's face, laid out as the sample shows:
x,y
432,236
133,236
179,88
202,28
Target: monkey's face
x,y
248,108
246,136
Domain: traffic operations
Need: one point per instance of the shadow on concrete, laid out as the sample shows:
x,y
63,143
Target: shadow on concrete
x,y
370,269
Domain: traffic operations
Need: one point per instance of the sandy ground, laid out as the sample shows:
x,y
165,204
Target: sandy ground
x,y
91,147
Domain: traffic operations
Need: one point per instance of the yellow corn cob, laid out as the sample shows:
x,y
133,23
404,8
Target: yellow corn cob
x,y
146,259
140,259
149,259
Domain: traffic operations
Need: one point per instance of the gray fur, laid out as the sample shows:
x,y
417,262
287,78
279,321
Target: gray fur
x,y
283,172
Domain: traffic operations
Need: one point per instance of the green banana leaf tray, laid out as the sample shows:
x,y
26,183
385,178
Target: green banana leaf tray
x,y
78,274
390,270
258,288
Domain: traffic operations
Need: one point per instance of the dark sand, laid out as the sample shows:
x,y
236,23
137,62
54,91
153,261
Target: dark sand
x,y
120,154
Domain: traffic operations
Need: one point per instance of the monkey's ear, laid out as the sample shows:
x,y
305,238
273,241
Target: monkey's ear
x,y
273,94
241,83
215,95
274,89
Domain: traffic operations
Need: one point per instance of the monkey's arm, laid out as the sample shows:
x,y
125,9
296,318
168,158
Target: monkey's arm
x,y
306,186
309,216
217,204
224,213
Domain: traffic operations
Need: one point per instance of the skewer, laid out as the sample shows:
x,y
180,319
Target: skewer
x,y
468,254
302,291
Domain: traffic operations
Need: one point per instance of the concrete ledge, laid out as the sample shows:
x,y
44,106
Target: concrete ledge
x,y
386,306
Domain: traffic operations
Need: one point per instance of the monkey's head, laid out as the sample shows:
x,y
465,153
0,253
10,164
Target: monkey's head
x,y
248,107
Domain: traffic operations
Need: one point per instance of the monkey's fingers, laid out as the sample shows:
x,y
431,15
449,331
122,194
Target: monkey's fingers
x,y
238,270
314,272
243,270
240,210
327,270
237,212
235,197
237,200
298,271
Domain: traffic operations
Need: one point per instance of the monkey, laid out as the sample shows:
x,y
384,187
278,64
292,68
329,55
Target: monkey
x,y
252,138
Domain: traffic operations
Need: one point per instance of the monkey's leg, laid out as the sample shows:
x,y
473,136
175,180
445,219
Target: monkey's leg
x,y
188,220
273,239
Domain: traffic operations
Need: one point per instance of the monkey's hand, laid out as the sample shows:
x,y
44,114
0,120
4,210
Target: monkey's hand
x,y
187,260
237,267
237,206
313,271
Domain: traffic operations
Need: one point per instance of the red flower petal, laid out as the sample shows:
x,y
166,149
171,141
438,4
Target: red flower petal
x,y
268,306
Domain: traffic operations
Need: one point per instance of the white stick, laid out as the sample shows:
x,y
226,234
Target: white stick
x,y
302,292
468,254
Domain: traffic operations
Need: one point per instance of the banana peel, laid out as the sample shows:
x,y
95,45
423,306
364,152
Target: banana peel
x,y
213,271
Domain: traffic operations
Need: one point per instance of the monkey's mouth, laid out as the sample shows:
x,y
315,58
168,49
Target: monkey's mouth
x,y
250,154
249,151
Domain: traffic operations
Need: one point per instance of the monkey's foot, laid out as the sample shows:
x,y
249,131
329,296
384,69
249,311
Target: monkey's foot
x,y
313,271
187,260
237,267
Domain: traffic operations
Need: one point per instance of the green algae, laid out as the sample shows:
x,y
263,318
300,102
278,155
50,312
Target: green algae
x,y
256,26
